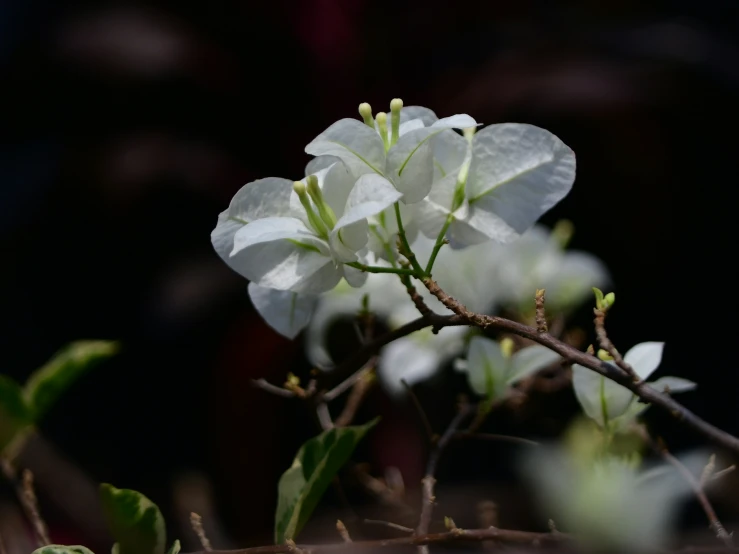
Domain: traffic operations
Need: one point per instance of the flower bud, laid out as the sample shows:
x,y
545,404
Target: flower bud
x,y
365,110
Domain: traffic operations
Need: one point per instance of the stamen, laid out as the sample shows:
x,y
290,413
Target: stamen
x,y
324,210
395,106
313,219
381,119
365,110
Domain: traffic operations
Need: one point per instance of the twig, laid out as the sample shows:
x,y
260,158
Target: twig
x,y
429,479
419,410
324,416
723,472
460,535
570,354
27,498
359,391
273,389
343,532
713,520
608,346
541,318
390,524
494,437
196,522
346,384
418,302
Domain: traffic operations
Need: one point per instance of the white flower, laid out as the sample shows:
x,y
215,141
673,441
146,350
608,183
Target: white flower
x,y
401,154
492,369
298,236
538,260
612,406
606,503
497,184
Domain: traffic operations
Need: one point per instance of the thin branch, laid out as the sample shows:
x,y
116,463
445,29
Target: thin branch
x,y
573,355
273,389
324,416
390,524
494,438
27,498
359,391
608,346
343,532
418,302
459,535
541,318
196,522
419,410
429,480
346,384
714,522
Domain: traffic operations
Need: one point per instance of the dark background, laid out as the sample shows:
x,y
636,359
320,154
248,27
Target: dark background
x,y
127,127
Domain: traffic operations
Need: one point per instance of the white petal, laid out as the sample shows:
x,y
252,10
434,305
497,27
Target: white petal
x,y
645,357
406,360
450,152
458,121
370,196
280,253
409,126
486,367
530,360
355,277
358,146
410,164
481,225
222,237
672,384
262,198
286,312
430,217
319,163
521,170
335,183
418,112
599,396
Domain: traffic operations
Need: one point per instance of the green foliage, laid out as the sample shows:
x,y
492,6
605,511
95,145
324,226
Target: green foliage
x,y
22,407
302,486
135,521
59,549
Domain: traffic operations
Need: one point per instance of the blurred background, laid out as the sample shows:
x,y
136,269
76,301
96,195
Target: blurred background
x,y
128,126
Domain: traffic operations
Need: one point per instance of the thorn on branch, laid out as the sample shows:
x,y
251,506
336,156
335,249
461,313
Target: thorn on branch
x,y
196,522
541,318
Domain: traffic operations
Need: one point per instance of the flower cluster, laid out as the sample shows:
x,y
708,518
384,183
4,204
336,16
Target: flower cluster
x,y
380,198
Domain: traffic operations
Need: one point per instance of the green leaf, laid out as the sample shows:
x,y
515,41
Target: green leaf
x,y
302,486
14,413
50,381
59,549
135,521
175,548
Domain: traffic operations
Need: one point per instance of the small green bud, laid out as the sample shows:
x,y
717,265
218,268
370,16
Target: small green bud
x,y
604,356
449,523
609,299
598,298
293,379
506,347
365,110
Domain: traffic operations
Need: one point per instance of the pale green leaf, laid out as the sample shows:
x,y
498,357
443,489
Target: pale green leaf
x,y
59,549
49,382
302,486
135,521
14,413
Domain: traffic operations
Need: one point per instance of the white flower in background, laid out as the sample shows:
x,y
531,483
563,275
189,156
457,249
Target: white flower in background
x,y
297,236
612,406
605,502
496,183
538,260
492,368
401,154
